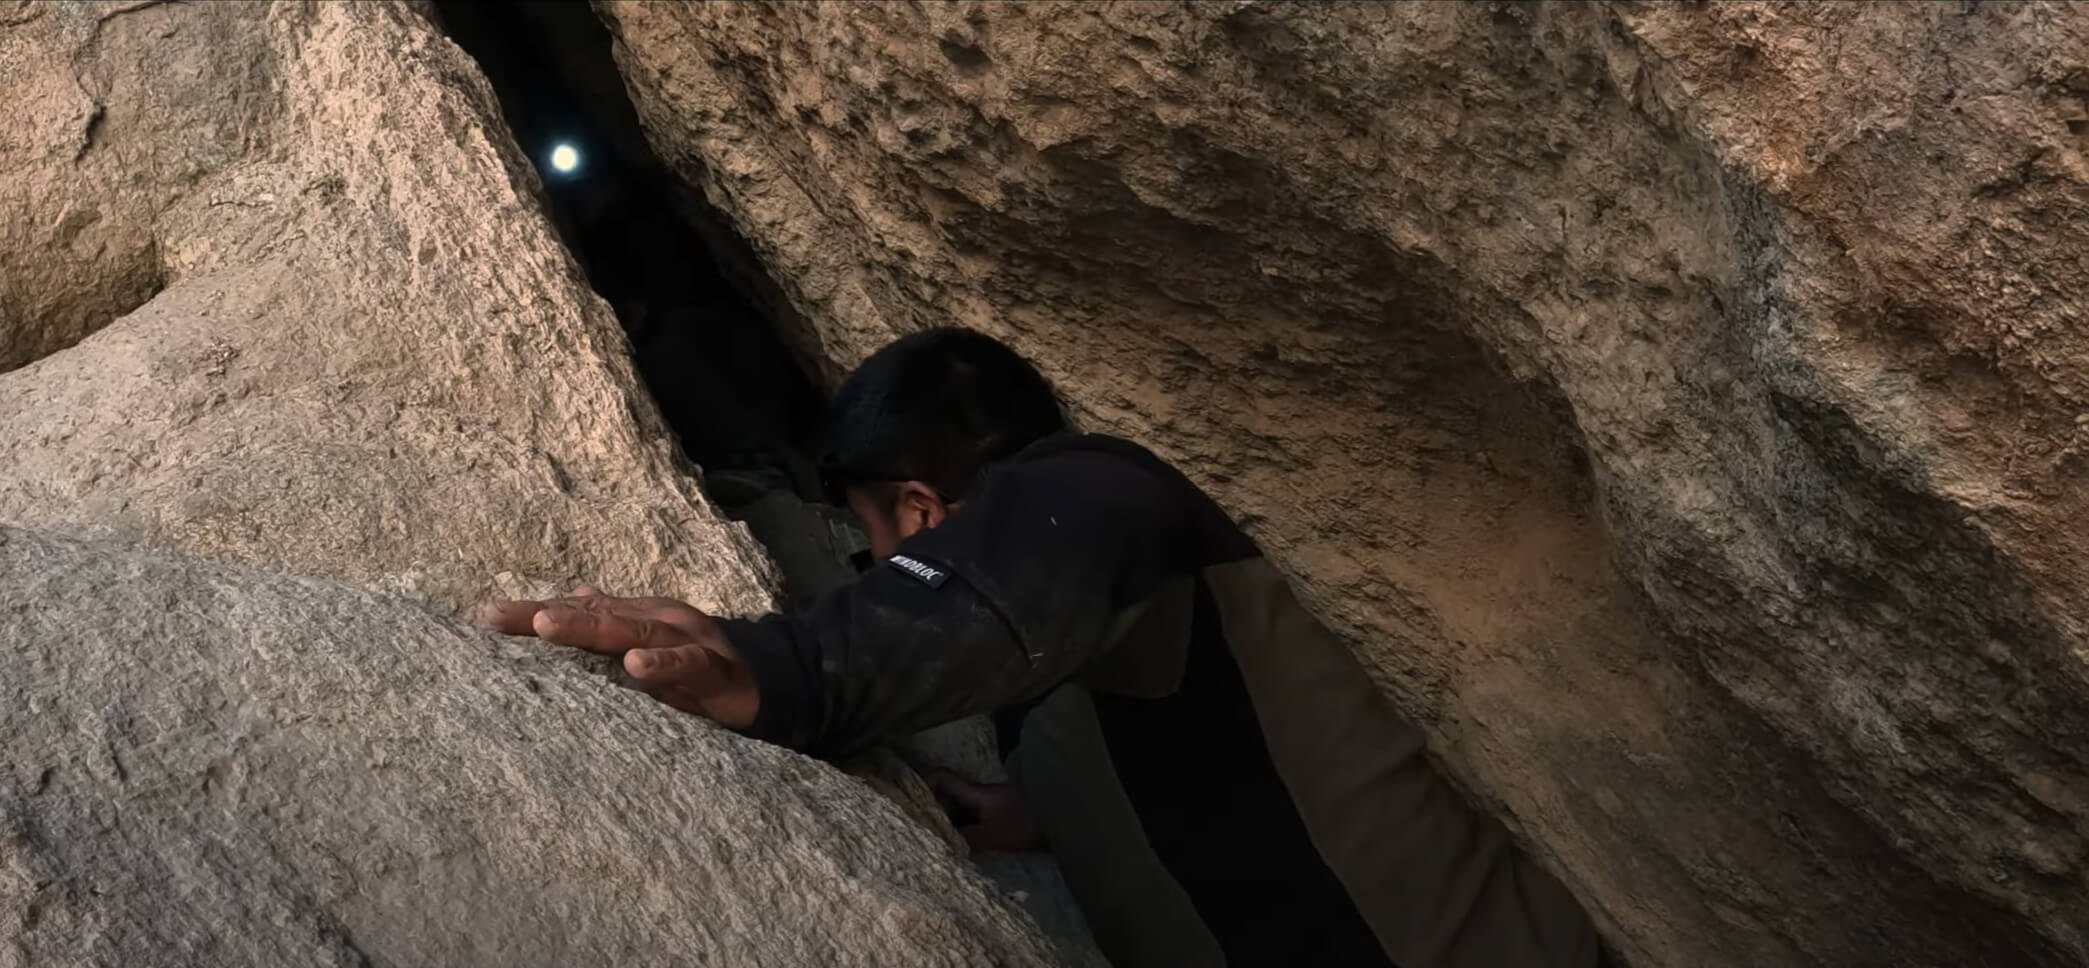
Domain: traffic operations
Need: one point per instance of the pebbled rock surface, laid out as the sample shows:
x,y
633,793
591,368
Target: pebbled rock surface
x,y
332,332
210,767
1680,405
276,289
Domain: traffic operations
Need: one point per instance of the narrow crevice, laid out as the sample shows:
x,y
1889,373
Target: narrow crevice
x,y
682,285
126,276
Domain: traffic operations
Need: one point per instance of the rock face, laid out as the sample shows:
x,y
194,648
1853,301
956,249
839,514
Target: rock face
x,y
339,337
276,289
1679,405
206,767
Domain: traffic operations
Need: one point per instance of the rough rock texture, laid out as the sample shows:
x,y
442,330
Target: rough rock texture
x,y
1681,405
349,343
276,288
206,767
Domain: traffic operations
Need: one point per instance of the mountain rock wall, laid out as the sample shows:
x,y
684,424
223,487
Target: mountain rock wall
x,y
348,342
1681,406
210,767
277,292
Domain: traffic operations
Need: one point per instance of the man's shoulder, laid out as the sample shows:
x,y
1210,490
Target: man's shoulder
x,y
1106,461
1132,475
1104,444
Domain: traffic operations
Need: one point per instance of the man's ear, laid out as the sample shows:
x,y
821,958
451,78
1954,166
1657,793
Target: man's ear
x,y
918,507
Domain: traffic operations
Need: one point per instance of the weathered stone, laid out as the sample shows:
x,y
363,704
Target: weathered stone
x,y
1677,403
77,247
361,353
368,356
213,768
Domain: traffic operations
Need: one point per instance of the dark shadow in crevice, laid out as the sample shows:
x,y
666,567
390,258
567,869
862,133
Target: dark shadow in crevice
x,y
97,295
742,407
686,288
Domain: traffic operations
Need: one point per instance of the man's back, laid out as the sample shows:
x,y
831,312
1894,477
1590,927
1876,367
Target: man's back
x,y
1223,784
1291,807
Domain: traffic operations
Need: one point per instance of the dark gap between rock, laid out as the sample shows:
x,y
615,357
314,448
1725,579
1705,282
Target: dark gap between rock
x,y
742,407
716,363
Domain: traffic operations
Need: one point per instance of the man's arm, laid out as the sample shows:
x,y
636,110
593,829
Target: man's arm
x,y
1010,596
672,652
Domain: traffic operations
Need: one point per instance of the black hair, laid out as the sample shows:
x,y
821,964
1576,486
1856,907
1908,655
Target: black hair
x,y
937,406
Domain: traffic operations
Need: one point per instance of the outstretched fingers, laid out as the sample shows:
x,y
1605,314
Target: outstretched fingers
x,y
666,611
518,617
697,678
588,616
673,651
602,630
510,618
660,668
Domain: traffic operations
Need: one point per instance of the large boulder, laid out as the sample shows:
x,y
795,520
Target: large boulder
x,y
1679,405
332,332
207,767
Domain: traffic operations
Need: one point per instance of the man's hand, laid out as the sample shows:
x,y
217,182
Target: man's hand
x,y
991,816
676,653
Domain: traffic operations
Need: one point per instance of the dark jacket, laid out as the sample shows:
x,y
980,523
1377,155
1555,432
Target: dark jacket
x,y
1278,787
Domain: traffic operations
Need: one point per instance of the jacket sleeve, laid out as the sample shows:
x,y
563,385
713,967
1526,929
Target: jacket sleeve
x,y
1008,597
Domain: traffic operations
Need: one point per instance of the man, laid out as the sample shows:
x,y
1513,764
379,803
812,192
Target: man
x,y
1219,778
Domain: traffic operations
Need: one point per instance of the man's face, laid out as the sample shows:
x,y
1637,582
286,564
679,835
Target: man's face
x,y
893,513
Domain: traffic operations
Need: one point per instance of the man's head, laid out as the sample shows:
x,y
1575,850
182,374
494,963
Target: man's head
x,y
915,425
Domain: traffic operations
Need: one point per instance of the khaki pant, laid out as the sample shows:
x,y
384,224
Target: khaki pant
x,y
1139,915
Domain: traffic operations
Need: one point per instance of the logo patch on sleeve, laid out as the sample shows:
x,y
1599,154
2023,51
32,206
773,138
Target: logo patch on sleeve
x,y
921,571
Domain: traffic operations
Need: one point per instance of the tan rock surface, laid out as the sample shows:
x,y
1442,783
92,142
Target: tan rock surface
x,y
364,354
1678,404
207,767
276,289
